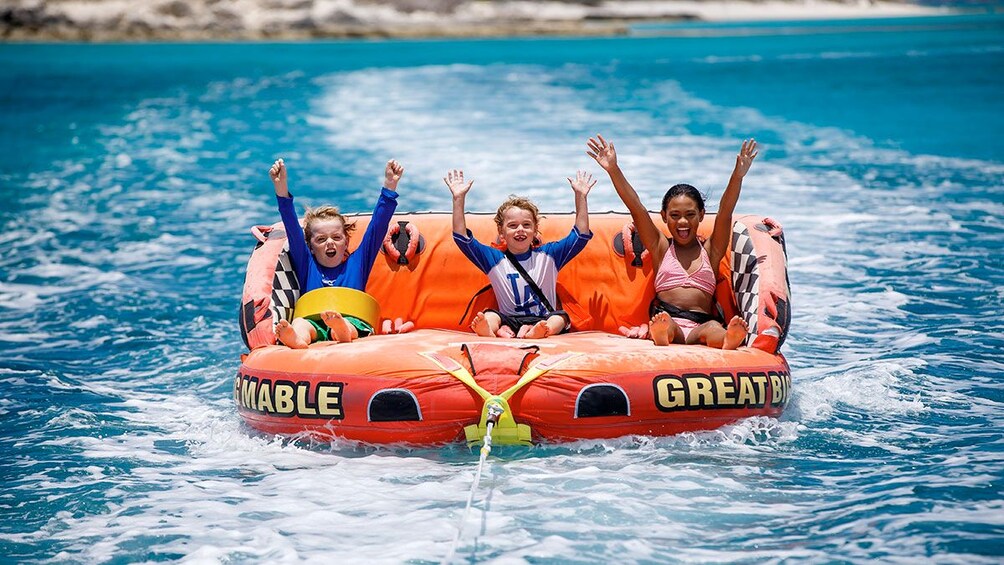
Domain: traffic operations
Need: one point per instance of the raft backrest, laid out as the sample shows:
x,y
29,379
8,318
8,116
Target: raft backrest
x,y
601,290
439,288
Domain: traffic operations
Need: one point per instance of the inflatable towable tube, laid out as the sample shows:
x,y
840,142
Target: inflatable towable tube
x,y
436,385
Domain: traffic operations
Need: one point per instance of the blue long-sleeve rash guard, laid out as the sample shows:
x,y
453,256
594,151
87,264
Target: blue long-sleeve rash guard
x,y
355,270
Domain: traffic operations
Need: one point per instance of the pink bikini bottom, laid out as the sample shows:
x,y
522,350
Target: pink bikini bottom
x,y
686,326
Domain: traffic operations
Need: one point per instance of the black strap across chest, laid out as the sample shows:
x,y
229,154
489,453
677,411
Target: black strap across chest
x,y
529,281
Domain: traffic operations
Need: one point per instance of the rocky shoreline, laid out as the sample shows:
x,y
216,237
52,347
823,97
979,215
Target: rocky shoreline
x,y
205,20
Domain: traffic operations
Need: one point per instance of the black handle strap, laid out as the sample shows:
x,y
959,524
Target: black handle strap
x,y
470,303
400,241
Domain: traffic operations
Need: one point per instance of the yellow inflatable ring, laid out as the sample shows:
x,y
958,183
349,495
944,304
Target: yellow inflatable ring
x,y
346,301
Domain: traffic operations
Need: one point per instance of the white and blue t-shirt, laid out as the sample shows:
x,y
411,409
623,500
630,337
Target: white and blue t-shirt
x,y
514,296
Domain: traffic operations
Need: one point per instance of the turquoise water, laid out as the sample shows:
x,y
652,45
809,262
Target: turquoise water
x,y
133,172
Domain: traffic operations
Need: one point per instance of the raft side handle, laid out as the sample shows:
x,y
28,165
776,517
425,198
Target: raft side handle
x,y
262,233
628,244
403,242
772,227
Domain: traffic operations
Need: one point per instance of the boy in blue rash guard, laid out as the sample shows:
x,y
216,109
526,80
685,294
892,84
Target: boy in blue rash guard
x,y
522,313
320,257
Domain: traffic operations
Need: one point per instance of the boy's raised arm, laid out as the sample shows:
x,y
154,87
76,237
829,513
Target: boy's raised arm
x,y
298,251
392,174
581,185
278,175
454,180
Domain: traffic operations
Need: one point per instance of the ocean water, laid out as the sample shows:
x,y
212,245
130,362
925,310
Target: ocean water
x,y
131,174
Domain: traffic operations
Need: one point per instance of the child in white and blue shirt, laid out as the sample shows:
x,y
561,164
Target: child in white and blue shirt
x,y
523,311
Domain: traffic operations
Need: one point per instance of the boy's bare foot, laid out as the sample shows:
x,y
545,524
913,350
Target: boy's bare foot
x,y
480,325
506,332
735,333
536,331
341,330
660,327
286,334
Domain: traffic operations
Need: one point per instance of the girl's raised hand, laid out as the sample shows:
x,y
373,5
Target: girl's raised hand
x,y
392,174
602,152
745,157
454,179
582,183
278,175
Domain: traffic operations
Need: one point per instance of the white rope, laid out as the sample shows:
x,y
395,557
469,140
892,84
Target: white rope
x,y
485,450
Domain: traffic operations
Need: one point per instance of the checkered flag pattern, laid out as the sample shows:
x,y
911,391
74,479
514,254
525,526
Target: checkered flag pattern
x,y
285,288
745,277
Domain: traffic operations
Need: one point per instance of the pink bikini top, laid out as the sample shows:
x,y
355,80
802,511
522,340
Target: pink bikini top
x,y
672,274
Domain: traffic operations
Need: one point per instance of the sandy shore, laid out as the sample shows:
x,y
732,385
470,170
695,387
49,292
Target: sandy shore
x,y
117,20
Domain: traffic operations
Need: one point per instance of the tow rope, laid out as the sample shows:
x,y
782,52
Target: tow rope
x,y
494,411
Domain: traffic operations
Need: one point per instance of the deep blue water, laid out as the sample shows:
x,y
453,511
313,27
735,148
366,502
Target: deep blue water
x,y
132,174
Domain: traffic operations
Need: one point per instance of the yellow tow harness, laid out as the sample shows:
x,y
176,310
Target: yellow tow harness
x,y
506,431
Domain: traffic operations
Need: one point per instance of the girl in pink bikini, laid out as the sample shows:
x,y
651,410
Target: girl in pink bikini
x,y
682,311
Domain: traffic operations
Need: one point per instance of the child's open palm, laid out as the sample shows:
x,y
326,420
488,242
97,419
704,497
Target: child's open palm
x,y
582,183
455,181
602,152
745,157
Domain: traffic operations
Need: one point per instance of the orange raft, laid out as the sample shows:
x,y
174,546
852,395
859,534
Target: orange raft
x,y
440,383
